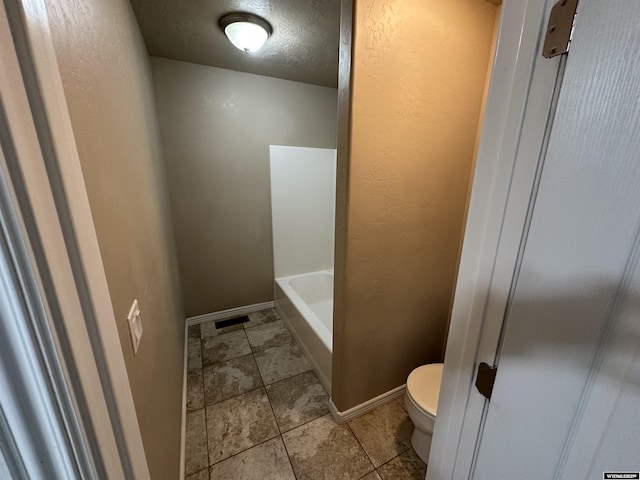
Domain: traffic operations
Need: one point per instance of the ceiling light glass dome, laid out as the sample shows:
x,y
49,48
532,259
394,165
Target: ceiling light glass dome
x,y
246,31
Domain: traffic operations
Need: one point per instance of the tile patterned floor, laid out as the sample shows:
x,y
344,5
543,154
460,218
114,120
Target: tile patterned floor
x,y
256,410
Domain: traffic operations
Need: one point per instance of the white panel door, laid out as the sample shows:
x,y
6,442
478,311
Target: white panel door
x,y
566,402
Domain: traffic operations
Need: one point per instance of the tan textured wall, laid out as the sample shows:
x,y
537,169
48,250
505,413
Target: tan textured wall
x,y
216,128
417,79
107,82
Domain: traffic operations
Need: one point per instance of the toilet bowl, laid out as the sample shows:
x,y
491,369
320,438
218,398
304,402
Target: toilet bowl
x,y
421,399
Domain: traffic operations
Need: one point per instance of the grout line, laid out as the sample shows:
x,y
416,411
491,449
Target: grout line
x,y
297,375
191,412
367,474
199,471
250,346
273,411
249,327
206,420
206,434
310,420
400,400
246,449
239,394
204,398
305,423
280,379
244,325
257,349
277,425
263,386
361,446
184,413
287,378
279,435
235,396
224,361
204,402
391,459
289,457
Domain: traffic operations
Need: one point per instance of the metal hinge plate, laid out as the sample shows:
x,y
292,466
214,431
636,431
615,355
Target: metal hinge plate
x,y
560,28
485,379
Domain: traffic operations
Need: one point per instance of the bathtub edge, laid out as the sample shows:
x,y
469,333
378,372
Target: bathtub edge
x,y
308,342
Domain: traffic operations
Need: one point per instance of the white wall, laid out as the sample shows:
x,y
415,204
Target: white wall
x,y
303,192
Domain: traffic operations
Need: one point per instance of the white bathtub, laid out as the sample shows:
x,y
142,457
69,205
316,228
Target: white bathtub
x,y
305,303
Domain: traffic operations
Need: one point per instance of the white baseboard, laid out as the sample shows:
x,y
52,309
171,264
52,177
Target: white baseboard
x,y
183,438
354,412
232,312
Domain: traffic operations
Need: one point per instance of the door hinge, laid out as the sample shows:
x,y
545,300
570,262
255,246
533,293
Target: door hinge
x,y
560,28
485,379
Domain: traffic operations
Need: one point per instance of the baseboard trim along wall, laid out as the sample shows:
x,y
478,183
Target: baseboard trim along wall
x,y
183,439
230,313
358,410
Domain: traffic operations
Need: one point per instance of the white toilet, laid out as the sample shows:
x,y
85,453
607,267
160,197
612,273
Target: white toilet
x,y
423,389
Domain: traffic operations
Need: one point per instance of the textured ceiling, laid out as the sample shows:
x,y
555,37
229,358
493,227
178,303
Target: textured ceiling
x,y
303,47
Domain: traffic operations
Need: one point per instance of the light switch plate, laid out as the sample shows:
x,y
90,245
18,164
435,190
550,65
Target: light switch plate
x,y
135,325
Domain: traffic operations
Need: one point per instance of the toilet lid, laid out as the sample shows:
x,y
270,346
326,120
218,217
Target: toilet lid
x,y
423,385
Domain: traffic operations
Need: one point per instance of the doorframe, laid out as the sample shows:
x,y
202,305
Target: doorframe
x,y
518,106
520,103
49,199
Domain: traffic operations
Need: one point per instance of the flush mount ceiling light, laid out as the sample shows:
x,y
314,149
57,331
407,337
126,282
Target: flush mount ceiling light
x,y
246,31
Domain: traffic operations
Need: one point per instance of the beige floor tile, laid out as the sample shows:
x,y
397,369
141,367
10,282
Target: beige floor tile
x,y
323,449
372,476
194,354
196,442
298,400
195,390
407,466
201,475
281,362
238,424
384,433
194,332
224,347
269,335
262,317
209,329
267,461
231,378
